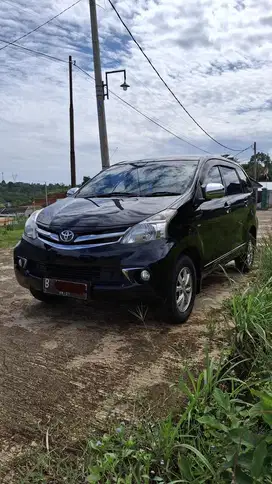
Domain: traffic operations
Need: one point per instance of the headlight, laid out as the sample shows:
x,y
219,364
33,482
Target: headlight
x,y
154,227
31,226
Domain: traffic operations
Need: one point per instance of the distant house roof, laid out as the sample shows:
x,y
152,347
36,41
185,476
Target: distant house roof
x,y
12,211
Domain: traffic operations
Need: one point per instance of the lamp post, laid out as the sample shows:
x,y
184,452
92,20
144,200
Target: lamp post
x,y
124,85
100,87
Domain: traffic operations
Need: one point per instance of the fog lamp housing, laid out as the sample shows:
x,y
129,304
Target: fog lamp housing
x,y
145,275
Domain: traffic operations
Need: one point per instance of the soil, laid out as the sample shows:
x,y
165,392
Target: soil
x,y
77,366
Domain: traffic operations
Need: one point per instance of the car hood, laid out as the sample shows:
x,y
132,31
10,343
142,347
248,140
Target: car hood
x,y
96,213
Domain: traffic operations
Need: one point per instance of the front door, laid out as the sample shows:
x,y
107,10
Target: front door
x,y
213,220
238,201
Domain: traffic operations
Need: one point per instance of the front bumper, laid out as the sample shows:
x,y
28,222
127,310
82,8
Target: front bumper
x,y
110,271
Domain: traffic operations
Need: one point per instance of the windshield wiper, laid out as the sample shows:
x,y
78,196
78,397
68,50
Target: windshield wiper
x,y
114,194
162,194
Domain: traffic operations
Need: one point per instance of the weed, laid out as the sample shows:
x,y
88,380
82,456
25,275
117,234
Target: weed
x,y
140,313
265,260
211,327
9,238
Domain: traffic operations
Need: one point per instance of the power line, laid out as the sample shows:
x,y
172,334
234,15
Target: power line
x,y
17,5
36,52
41,25
164,82
147,117
242,151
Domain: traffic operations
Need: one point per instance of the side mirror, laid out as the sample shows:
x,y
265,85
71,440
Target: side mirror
x,y
214,190
72,191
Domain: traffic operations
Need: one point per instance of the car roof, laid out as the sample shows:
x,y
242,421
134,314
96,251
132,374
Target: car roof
x,y
165,158
188,158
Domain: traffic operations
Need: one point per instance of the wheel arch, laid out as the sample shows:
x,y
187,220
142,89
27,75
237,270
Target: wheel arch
x,y
253,231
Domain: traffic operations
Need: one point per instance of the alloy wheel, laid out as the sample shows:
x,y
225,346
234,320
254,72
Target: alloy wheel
x,y
184,289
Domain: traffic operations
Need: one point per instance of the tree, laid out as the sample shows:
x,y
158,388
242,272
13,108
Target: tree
x,y
264,166
20,193
85,179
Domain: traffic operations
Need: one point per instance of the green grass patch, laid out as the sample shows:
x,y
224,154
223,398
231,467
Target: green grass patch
x,y
9,238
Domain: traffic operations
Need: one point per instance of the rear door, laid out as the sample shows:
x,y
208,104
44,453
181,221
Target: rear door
x,y
238,201
213,218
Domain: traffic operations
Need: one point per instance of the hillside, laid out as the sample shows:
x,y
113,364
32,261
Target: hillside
x,y
20,193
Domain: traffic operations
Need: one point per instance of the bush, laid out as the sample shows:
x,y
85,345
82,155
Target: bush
x,y
265,261
219,438
252,314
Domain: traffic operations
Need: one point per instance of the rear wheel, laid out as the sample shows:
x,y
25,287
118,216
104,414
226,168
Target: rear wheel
x,y
41,296
244,262
182,291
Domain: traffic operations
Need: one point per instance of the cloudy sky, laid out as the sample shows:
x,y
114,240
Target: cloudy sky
x,y
216,55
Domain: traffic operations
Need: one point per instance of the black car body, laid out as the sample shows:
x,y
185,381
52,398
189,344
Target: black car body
x,y
205,218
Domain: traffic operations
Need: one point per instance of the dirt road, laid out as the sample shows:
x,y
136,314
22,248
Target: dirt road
x,y
75,365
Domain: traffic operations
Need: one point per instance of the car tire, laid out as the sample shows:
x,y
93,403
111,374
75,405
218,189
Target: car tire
x,y
41,296
182,291
244,262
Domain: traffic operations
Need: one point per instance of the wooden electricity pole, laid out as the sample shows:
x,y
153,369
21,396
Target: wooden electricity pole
x,y
72,127
255,161
104,148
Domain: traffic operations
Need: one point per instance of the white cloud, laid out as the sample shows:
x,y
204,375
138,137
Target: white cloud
x,y
216,56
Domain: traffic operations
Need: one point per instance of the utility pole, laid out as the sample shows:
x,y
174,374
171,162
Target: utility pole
x,y
255,161
72,127
99,86
46,195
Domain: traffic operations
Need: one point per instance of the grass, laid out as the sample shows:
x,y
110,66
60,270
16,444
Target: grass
x,y
220,437
223,433
9,236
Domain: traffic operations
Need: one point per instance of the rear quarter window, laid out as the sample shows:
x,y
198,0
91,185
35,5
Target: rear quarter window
x,y
231,180
245,181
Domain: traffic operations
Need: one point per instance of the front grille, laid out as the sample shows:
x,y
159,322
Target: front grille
x,y
94,274
80,239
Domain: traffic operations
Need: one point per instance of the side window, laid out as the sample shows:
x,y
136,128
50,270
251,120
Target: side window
x,y
231,180
245,181
213,176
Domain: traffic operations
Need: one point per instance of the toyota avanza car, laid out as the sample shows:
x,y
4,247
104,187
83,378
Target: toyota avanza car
x,y
140,229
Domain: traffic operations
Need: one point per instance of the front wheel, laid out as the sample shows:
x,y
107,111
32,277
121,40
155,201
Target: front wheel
x,y
244,262
182,291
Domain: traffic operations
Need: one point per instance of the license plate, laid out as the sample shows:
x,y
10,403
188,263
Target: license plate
x,y
77,290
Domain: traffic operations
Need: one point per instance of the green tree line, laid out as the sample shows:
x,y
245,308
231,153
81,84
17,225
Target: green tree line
x,y
20,193
263,168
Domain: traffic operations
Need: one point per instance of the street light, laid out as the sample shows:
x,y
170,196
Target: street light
x,y
124,86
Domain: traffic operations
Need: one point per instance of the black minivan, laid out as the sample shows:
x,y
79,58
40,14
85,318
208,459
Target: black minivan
x,y
142,229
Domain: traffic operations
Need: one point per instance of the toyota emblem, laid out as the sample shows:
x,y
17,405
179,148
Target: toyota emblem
x,y
67,236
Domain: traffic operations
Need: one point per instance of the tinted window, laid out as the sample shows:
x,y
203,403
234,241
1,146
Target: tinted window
x,y
151,178
231,180
245,181
213,176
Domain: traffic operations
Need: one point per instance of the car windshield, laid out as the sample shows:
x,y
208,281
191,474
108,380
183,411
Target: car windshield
x,y
147,179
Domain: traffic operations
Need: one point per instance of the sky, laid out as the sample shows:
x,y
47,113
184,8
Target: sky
x,y
216,55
